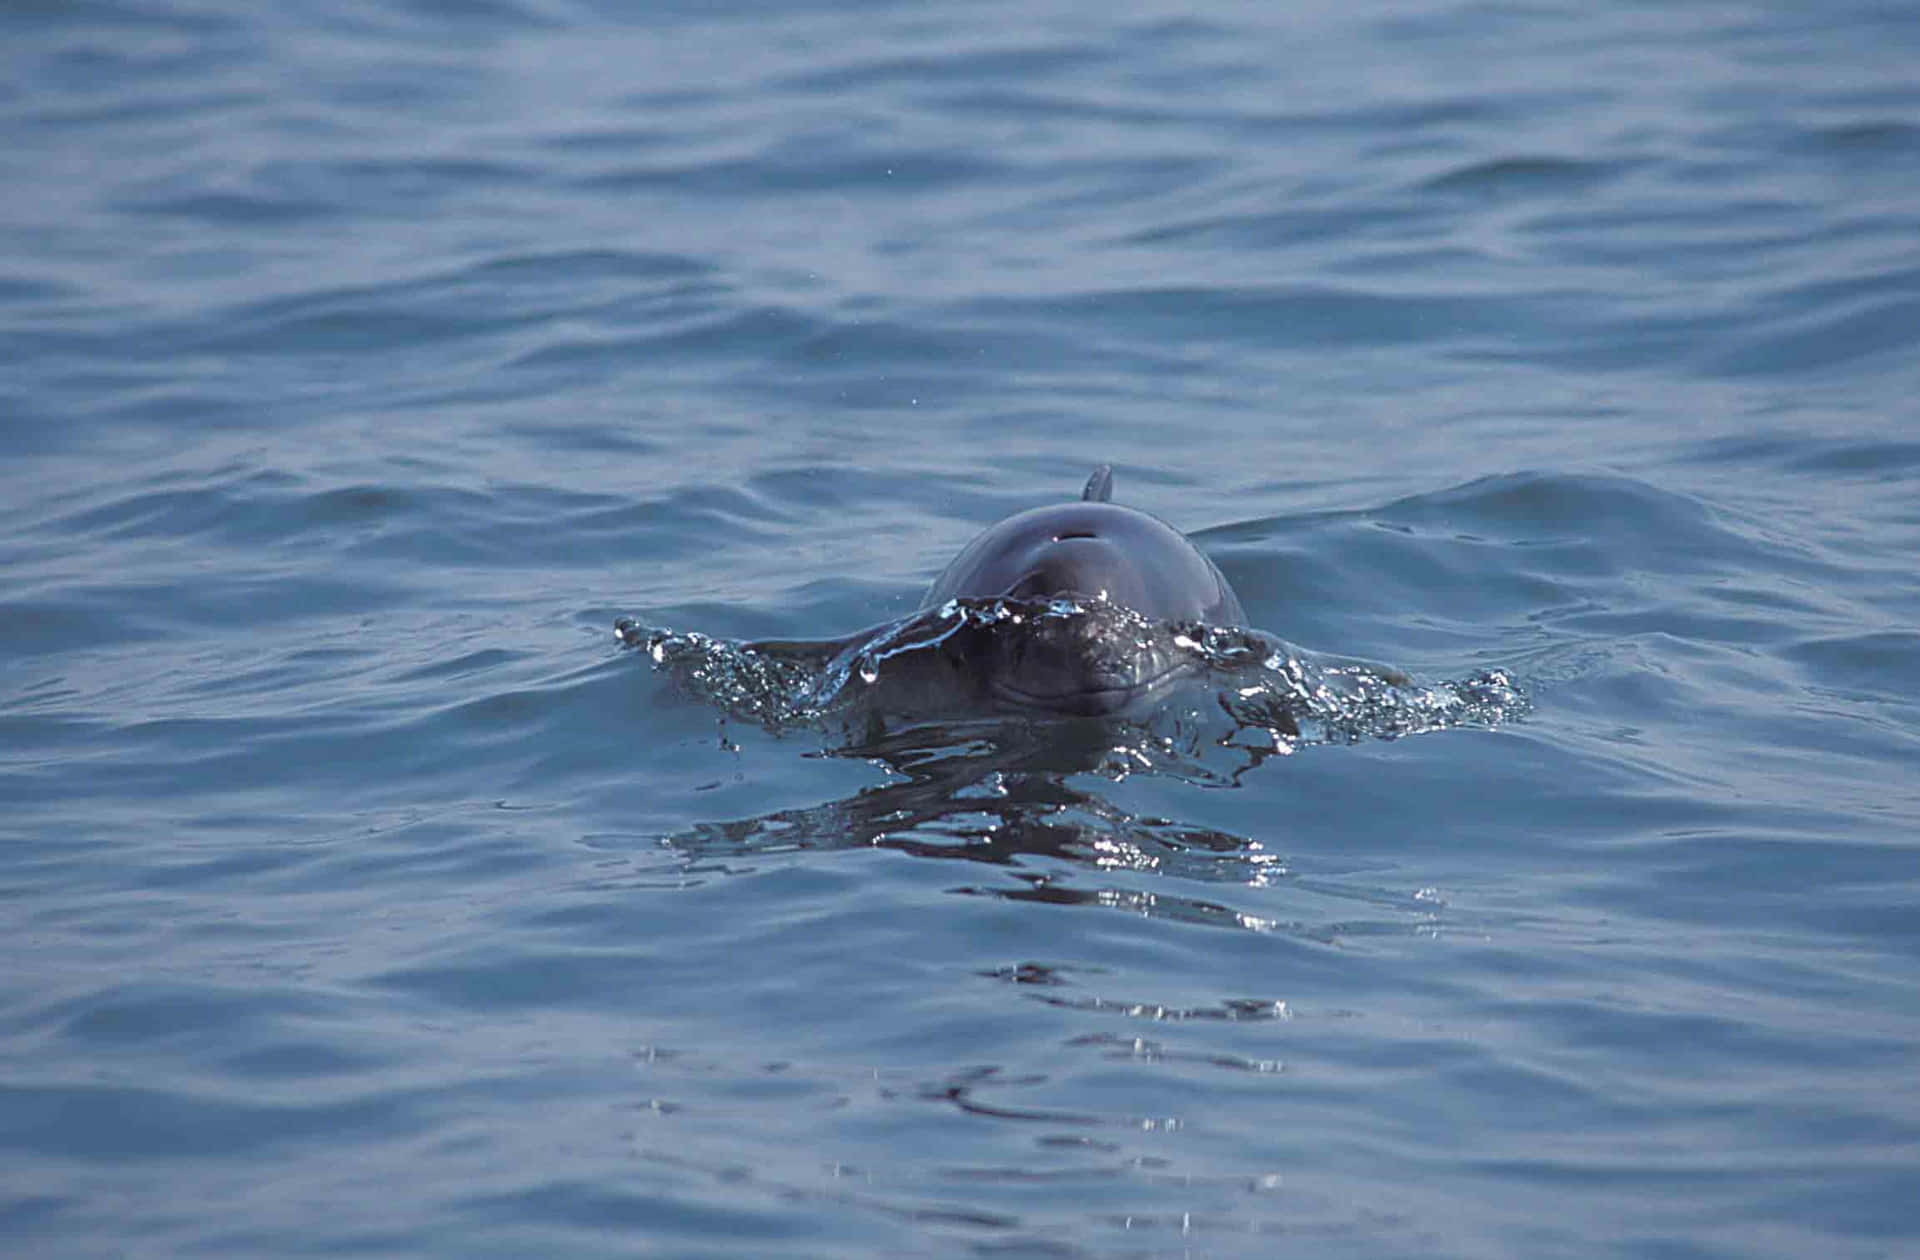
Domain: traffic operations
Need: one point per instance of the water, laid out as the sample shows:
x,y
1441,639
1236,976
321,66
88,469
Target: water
x,y
364,363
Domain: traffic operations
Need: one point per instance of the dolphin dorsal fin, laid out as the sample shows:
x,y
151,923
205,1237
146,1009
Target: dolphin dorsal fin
x,y
1100,485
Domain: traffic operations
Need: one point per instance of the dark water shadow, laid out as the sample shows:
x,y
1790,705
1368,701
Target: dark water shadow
x,y
1028,808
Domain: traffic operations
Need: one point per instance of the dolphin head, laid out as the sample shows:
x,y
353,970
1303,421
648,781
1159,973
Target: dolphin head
x,y
1129,576
1088,658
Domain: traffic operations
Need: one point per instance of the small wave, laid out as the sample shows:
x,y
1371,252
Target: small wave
x,y
1514,177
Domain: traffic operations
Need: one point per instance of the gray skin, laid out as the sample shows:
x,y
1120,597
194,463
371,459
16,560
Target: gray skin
x,y
1107,557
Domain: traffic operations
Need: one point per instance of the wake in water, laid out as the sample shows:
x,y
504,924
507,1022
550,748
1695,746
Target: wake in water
x,y
1220,699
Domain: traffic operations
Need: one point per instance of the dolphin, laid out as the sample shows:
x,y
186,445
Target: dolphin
x,y
1110,561
1086,609
1079,609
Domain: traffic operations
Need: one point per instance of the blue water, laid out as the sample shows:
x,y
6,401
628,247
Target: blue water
x,y
361,364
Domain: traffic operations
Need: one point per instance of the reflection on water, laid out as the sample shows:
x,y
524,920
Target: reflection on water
x,y
1024,793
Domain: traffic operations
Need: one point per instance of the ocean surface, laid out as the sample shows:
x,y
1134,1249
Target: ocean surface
x,y
362,363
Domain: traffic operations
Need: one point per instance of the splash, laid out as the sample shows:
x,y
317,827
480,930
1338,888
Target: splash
x,y
911,688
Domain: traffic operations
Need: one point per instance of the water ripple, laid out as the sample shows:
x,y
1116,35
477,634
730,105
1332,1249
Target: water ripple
x,y
365,362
